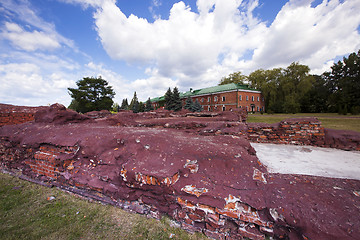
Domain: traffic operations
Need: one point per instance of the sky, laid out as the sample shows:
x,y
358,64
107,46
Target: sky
x,y
147,46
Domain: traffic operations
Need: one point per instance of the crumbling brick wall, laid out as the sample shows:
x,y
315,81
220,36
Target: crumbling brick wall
x,y
10,114
51,160
299,131
9,118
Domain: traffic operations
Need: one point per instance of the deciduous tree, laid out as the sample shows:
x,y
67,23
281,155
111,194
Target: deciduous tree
x,y
235,77
343,83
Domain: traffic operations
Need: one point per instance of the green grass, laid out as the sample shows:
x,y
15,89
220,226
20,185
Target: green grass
x,y
328,120
26,213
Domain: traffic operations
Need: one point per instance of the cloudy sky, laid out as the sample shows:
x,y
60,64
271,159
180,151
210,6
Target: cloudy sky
x,y
150,45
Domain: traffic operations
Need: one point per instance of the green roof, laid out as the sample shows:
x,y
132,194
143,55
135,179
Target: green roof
x,y
209,90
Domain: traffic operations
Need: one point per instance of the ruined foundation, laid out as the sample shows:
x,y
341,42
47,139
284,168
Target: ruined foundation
x,y
199,170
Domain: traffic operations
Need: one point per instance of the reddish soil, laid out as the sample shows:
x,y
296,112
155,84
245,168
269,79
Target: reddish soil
x,y
202,171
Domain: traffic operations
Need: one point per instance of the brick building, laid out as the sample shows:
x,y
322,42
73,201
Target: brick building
x,y
222,98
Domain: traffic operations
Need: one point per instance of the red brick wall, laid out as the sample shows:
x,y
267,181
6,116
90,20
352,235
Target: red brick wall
x,y
7,118
10,114
291,131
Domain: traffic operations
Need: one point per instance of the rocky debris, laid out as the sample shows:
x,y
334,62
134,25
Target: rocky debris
x,y
98,114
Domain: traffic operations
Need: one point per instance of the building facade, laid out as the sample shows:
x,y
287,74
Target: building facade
x,y
222,98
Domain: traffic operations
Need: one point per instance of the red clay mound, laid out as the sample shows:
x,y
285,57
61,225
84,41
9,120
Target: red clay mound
x,y
342,139
58,114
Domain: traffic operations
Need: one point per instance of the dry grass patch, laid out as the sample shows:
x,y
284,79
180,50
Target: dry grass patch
x,y
328,120
31,211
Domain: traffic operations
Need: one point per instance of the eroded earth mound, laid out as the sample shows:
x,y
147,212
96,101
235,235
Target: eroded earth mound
x,y
200,170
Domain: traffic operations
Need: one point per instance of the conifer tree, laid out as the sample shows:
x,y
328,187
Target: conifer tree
x,y
148,106
168,100
176,103
92,94
133,100
125,104
189,104
141,107
197,107
135,107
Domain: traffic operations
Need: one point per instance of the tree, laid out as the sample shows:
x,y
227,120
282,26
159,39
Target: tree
x,y
148,106
172,100
197,107
189,104
235,77
316,100
168,99
295,83
124,104
176,104
135,108
283,89
343,83
73,105
92,94
115,107
133,101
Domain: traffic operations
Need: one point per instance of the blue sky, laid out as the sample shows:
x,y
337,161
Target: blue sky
x,y
149,45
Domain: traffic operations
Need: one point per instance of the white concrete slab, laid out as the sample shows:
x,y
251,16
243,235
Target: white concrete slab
x,y
307,160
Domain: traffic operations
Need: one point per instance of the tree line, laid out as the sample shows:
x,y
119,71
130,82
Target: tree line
x,y
172,102
294,89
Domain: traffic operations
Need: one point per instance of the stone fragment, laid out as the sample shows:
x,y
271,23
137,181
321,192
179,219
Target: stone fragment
x,y
259,176
192,165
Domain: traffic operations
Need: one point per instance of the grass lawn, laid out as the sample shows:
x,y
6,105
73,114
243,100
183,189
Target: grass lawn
x,y
328,120
27,213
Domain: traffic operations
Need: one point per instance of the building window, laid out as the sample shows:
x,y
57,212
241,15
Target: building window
x,y
209,108
247,99
240,98
223,108
258,99
247,108
252,98
257,109
215,99
209,99
223,98
202,100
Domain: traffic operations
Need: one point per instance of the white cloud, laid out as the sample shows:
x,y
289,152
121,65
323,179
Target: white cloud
x,y
88,3
25,84
43,34
29,41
